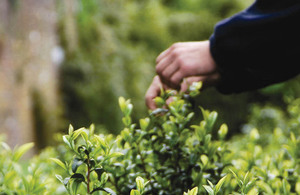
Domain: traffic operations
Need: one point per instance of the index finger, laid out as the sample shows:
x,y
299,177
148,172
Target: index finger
x,y
152,92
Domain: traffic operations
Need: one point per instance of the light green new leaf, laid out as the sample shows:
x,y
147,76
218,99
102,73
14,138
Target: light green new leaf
x,y
140,183
77,133
20,151
211,184
209,189
71,129
66,141
9,177
92,130
219,184
240,183
85,136
5,146
193,191
59,177
144,123
60,163
135,192
116,154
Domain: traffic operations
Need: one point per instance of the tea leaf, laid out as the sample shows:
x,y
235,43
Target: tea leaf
x,y
220,183
60,163
21,151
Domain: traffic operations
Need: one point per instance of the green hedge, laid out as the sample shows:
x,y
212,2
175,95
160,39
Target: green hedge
x,y
165,153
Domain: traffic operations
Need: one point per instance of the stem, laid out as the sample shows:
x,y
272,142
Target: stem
x,y
88,174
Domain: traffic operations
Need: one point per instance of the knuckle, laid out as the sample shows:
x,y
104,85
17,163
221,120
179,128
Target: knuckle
x,y
180,61
176,53
158,70
174,81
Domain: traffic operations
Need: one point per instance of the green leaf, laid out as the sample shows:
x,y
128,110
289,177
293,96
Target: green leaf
x,y
144,123
77,133
85,136
116,154
75,185
209,189
59,177
110,191
99,172
60,163
104,178
9,177
194,191
219,184
250,185
78,177
140,183
135,192
6,146
91,130
284,187
66,140
20,151
122,104
211,184
26,184
160,102
240,183
71,129
126,121
66,181
223,131
76,163
102,143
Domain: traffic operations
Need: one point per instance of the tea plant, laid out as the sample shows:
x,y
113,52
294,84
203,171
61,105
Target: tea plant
x,y
165,153
86,171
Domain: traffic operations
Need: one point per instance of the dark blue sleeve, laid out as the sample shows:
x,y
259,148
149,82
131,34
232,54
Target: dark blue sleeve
x,y
258,46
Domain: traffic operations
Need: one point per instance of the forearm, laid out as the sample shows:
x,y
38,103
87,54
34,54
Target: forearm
x,y
258,46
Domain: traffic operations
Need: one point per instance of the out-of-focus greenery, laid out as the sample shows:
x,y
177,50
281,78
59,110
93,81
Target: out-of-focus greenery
x,y
116,46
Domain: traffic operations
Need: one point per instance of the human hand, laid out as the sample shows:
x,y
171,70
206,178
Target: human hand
x,y
156,85
180,66
187,59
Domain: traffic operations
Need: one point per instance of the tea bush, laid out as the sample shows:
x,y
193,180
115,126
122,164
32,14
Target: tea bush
x,y
166,153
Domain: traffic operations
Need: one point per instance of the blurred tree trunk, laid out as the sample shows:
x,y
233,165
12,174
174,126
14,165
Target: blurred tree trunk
x,y
69,15
28,71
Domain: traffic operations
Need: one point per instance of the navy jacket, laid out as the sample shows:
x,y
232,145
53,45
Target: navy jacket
x,y
258,46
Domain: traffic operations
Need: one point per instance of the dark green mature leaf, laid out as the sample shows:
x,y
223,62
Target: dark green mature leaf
x,y
75,185
76,163
99,172
78,177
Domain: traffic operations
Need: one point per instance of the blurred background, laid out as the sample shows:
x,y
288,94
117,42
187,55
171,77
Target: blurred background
x,y
67,62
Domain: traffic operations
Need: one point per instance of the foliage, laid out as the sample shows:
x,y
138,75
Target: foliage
x,y
165,153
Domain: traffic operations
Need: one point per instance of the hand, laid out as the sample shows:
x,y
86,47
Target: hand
x,y
156,85
152,92
187,59
180,66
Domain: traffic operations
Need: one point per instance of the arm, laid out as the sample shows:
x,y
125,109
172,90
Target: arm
x,y
259,46
255,48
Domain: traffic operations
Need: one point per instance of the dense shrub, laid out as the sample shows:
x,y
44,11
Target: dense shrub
x,y
166,153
